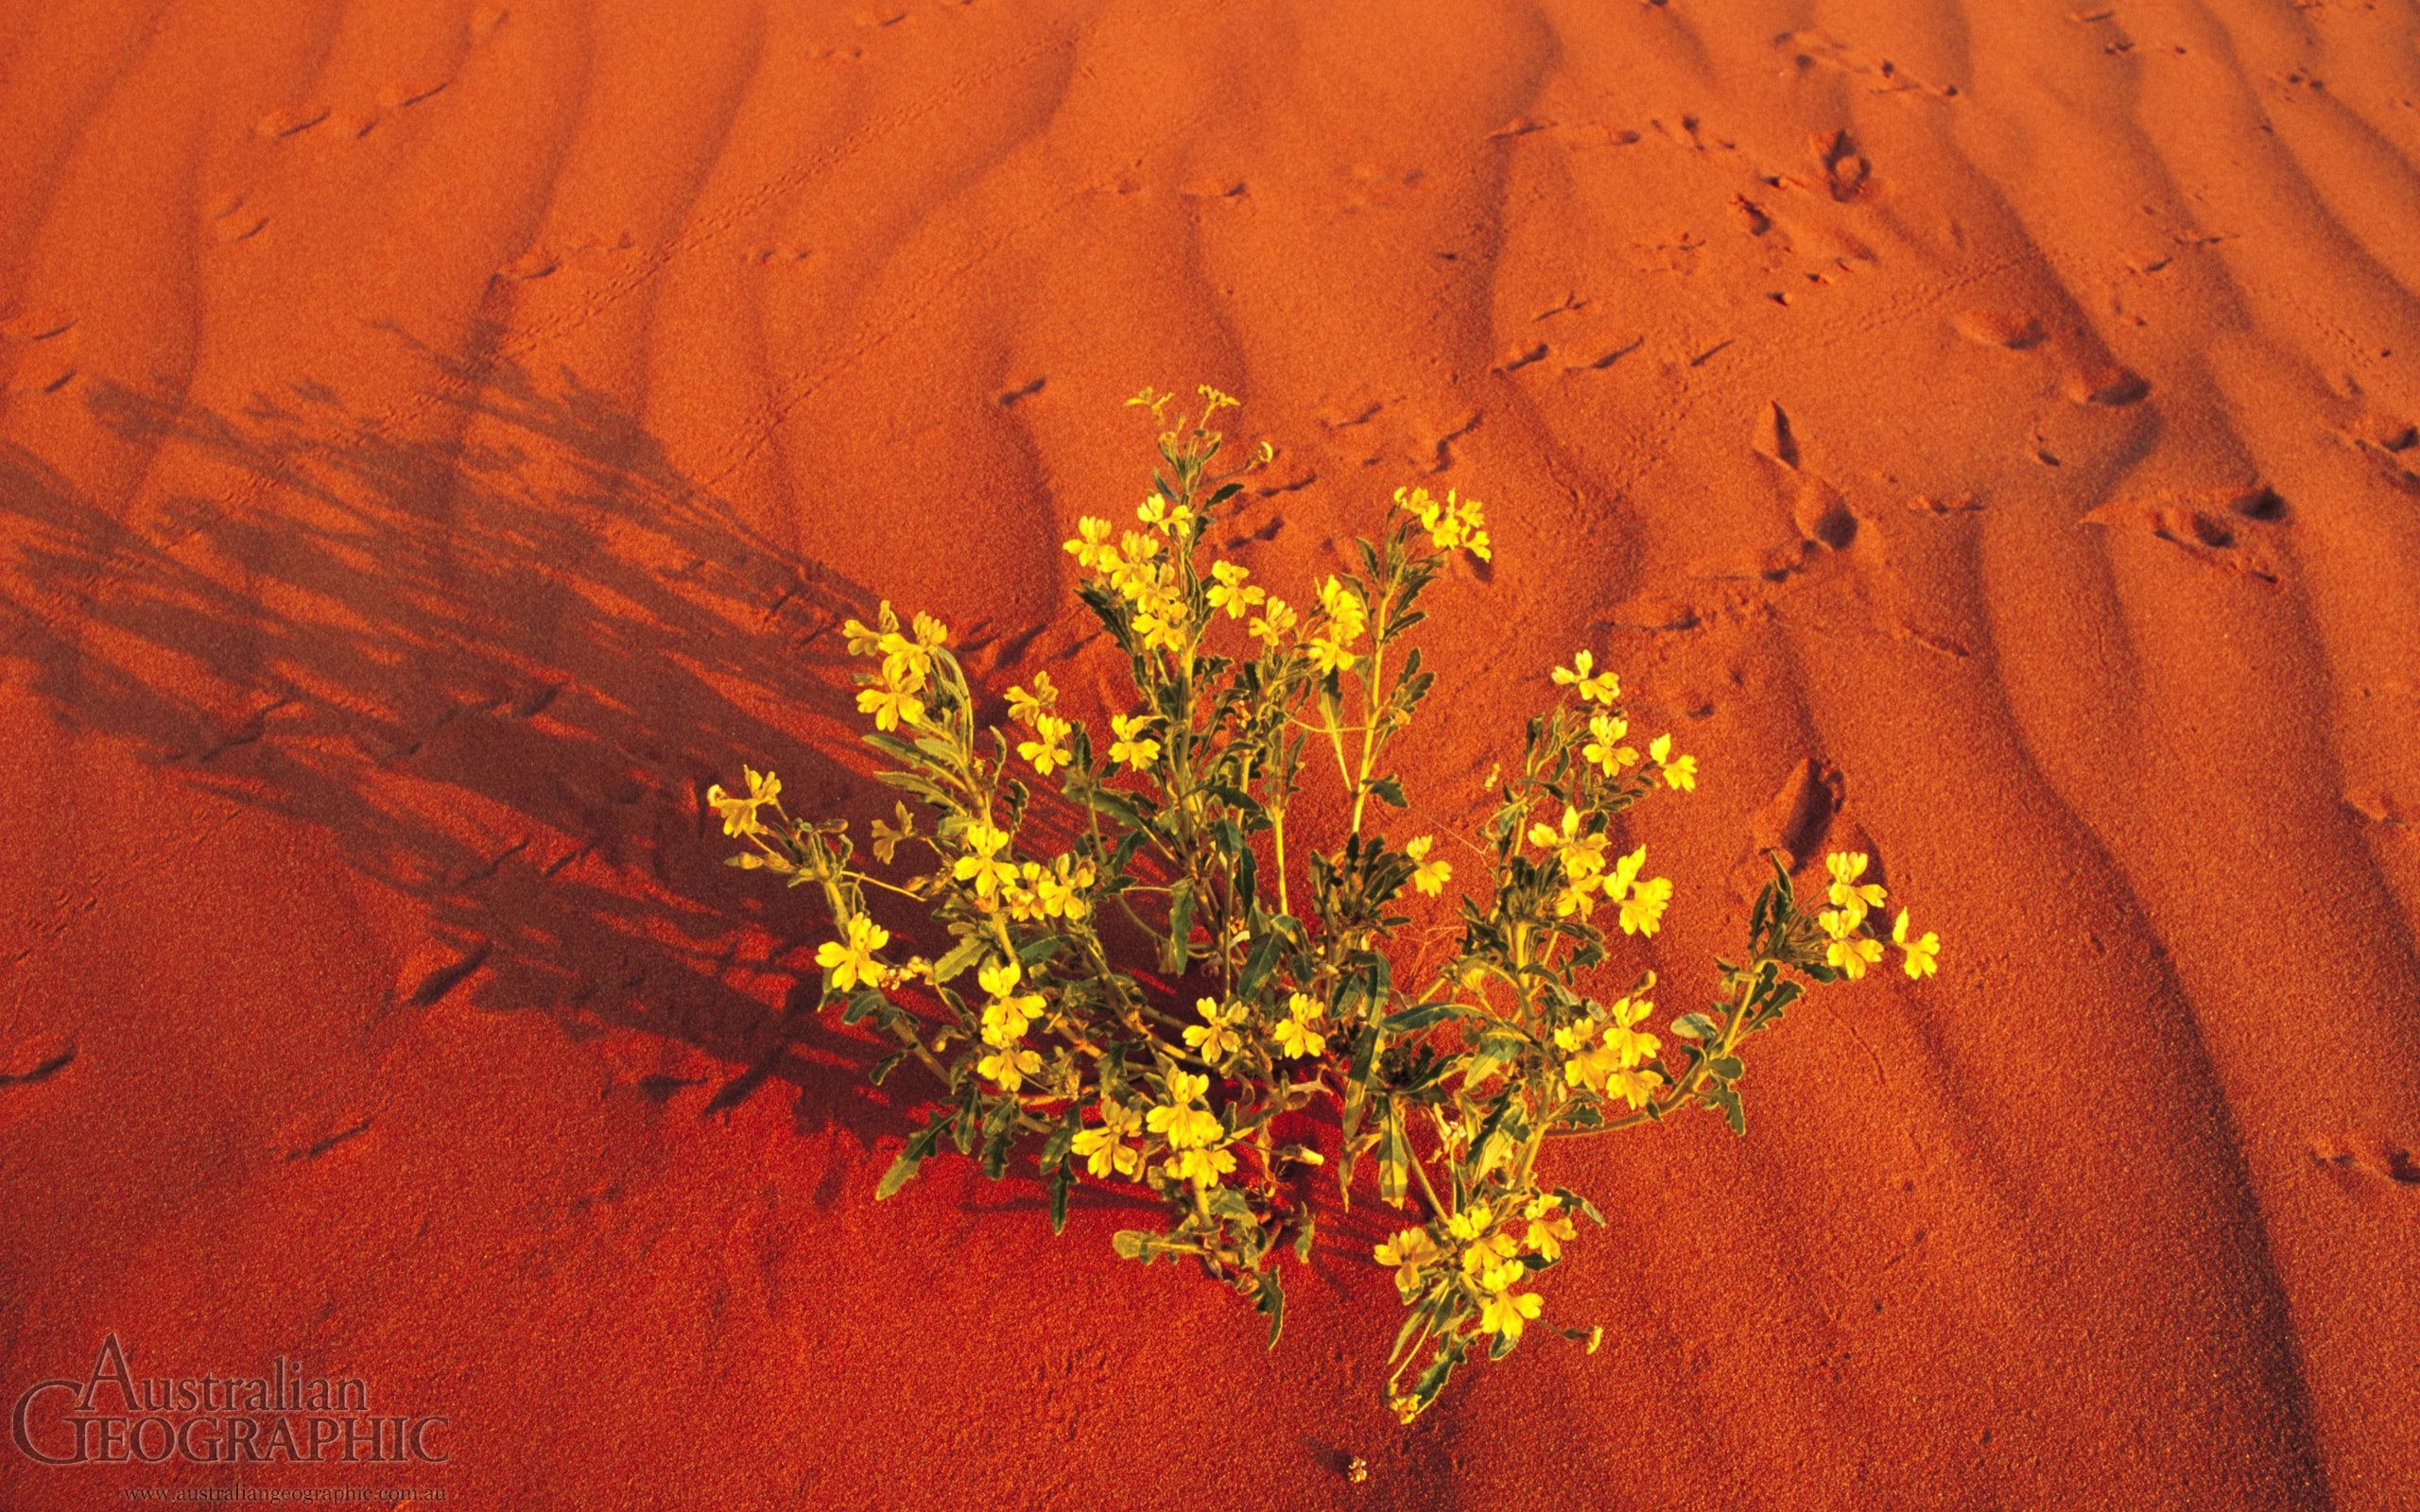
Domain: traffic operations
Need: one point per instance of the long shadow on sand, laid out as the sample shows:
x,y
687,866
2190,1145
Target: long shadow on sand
x,y
498,668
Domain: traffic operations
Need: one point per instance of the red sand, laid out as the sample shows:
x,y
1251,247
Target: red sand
x,y
439,441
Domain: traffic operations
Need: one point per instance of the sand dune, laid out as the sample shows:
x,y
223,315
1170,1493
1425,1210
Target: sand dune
x,y
438,440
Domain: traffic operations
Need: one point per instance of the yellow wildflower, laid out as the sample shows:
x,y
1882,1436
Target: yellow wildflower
x,y
1138,568
1161,620
1597,687
1160,515
1347,616
1507,1310
1294,1033
1130,747
1215,1039
1274,623
1604,747
1850,957
1025,708
1009,1013
1634,1087
1456,524
893,701
852,962
1623,1040
1643,910
1847,893
863,639
1009,1066
982,866
739,814
1924,956
1104,1147
1432,876
1406,1254
1229,593
1048,751
1582,855
1090,547
1679,771
1058,893
1184,1127
1201,1165
1471,1222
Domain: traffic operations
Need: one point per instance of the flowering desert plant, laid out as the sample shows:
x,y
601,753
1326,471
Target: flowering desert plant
x,y
1142,988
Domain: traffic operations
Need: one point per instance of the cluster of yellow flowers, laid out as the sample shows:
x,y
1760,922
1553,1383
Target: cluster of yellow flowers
x,y
1607,1056
1450,1075
1587,881
1848,950
1196,1139
1484,1255
896,696
1343,619
1006,1017
1144,573
1455,524
739,814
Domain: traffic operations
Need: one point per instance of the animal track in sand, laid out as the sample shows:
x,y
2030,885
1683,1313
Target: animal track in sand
x,y
436,970
2368,1156
1815,48
35,1058
2383,808
2389,442
1773,437
36,325
2217,526
1845,169
485,23
280,124
1601,362
1822,513
534,264
2105,383
2011,329
315,1134
400,97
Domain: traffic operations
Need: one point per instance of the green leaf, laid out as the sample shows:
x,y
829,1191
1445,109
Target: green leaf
x,y
1390,789
1696,1027
1724,1099
1034,952
1062,1182
1420,1017
1180,944
962,955
1727,1067
1257,966
1272,1302
1411,1324
903,1170
864,1003
1306,1235
1394,1156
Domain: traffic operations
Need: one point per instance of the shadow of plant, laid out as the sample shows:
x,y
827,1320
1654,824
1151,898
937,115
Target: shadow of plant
x,y
499,669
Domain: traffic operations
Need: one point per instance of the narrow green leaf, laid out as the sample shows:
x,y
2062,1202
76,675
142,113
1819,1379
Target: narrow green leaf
x,y
903,1170
962,955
